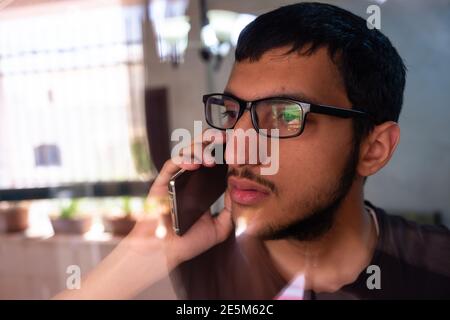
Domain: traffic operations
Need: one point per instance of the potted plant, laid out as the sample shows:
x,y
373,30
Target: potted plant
x,y
15,216
70,220
123,224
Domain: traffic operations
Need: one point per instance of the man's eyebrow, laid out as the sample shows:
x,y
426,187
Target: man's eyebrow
x,y
296,96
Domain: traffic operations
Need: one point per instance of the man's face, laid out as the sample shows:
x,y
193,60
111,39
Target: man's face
x,y
314,168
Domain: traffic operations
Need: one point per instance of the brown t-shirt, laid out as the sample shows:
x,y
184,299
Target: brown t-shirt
x,y
414,262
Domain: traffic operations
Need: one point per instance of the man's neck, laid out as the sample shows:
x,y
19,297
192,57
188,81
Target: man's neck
x,y
338,257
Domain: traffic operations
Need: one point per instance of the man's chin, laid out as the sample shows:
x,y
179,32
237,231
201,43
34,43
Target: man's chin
x,y
252,226
309,228
245,220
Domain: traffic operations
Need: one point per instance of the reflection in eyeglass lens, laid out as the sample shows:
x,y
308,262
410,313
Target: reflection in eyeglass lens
x,y
284,116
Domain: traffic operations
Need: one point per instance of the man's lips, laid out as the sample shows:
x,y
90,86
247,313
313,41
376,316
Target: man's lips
x,y
246,192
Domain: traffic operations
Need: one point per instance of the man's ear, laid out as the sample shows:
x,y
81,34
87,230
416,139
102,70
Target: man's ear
x,y
378,148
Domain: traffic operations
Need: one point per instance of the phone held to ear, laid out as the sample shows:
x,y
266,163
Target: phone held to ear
x,y
192,193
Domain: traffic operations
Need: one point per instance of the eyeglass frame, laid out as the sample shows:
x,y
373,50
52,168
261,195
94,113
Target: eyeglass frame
x,y
306,108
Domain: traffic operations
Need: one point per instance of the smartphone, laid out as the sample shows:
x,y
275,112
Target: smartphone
x,y
192,193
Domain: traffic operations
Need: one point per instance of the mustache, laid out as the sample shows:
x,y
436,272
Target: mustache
x,y
250,175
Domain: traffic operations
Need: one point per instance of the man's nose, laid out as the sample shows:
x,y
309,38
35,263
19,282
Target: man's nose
x,y
242,143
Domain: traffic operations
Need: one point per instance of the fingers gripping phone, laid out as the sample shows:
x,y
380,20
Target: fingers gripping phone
x,y
192,193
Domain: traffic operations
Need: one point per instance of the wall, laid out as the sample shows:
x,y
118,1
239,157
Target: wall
x,y
36,268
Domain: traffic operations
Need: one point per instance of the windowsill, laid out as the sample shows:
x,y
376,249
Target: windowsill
x,y
37,268
105,238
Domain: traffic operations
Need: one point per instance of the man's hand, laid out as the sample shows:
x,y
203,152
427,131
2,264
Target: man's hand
x,y
206,232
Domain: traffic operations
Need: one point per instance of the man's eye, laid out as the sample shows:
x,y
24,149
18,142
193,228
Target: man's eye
x,y
229,114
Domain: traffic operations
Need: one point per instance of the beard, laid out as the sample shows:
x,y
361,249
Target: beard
x,y
321,217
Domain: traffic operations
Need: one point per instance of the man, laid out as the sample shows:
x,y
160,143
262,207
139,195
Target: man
x,y
345,83
333,89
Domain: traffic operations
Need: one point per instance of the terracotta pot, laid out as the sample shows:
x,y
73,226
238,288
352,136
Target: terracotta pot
x,y
119,226
16,219
71,226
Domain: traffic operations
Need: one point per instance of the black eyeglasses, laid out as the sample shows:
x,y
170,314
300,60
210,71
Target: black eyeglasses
x,y
222,111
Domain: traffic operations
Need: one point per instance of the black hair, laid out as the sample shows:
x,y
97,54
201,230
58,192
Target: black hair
x,y
371,68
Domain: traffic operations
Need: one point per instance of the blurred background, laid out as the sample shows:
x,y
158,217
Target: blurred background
x,y
90,91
